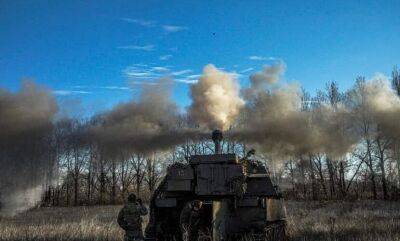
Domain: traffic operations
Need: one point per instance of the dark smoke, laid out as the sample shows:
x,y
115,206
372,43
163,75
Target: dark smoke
x,y
25,156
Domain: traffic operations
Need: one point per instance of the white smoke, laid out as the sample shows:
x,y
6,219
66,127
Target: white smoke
x,y
375,101
269,75
216,99
274,119
18,201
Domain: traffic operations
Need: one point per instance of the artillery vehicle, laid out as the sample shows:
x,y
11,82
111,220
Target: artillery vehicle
x,y
239,199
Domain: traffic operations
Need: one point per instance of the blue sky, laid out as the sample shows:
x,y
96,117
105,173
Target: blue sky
x,y
90,52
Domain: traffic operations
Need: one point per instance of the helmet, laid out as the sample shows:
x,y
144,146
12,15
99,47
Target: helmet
x,y
132,198
197,204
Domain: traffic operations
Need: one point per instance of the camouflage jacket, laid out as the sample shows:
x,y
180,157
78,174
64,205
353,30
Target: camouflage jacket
x,y
129,218
189,217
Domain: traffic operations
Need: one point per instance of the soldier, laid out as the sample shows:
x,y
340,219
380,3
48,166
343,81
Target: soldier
x,y
129,218
190,220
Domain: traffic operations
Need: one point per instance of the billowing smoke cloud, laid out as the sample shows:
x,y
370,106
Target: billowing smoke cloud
x,y
276,122
269,75
376,102
216,99
272,115
274,118
152,123
25,157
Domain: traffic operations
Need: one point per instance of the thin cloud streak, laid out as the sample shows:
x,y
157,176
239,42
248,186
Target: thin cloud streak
x,y
140,22
260,58
186,81
116,88
133,82
182,72
160,69
173,28
193,76
69,92
144,74
148,47
246,70
165,57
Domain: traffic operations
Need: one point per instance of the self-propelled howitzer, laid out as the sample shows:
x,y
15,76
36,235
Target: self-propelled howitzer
x,y
240,201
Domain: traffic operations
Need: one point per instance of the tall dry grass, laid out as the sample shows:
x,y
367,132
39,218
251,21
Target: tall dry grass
x,y
62,224
363,220
344,221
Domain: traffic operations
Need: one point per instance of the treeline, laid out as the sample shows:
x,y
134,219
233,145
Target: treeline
x,y
87,173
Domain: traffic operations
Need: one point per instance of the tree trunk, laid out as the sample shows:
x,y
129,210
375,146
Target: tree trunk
x,y
371,169
312,176
342,180
114,183
331,177
321,176
102,183
76,190
89,185
381,149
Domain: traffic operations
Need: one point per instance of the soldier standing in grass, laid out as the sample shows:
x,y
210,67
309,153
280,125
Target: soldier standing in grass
x,y
129,218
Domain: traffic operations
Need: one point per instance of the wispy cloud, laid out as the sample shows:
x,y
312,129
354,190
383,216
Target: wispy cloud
x,y
246,70
165,57
86,89
260,58
189,79
193,76
160,69
182,72
139,71
173,28
148,47
141,74
116,88
135,82
70,92
186,81
79,86
140,22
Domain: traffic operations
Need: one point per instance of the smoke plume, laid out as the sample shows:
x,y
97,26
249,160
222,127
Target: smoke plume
x,y
269,75
376,102
216,99
271,115
275,120
152,123
25,156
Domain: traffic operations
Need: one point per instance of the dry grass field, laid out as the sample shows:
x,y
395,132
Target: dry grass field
x,y
363,220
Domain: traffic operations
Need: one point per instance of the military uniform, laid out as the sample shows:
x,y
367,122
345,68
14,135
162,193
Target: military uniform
x,y
190,221
129,218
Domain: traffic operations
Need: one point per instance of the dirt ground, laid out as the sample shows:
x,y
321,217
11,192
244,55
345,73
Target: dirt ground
x,y
362,220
